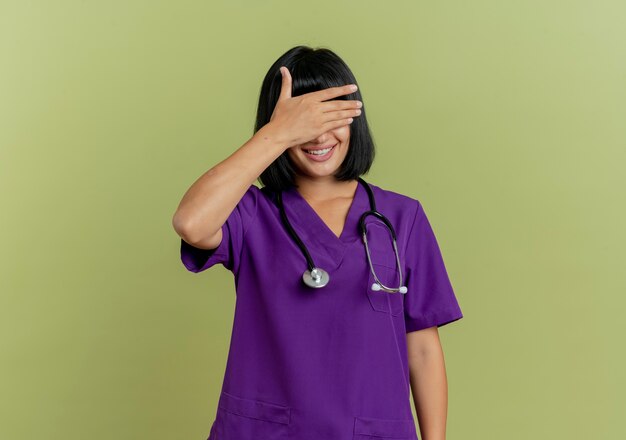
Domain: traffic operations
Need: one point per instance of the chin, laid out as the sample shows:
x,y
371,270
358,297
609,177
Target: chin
x,y
319,171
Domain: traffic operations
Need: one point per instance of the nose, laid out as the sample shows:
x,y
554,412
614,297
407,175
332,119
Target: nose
x,y
322,138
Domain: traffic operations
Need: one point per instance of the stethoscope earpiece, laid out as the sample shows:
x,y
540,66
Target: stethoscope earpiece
x,y
377,287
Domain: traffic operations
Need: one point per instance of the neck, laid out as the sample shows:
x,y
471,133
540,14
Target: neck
x,y
320,189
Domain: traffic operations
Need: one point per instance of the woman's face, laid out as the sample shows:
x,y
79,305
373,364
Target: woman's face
x,y
326,164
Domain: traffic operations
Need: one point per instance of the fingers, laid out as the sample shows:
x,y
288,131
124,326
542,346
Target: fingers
x,y
285,88
329,106
342,114
331,125
333,92
340,110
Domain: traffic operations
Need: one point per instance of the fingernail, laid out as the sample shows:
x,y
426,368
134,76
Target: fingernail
x,y
353,87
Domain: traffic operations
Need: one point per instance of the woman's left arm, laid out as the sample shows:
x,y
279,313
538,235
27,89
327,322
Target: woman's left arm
x,y
429,383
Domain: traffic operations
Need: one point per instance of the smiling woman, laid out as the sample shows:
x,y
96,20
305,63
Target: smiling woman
x,y
310,363
310,70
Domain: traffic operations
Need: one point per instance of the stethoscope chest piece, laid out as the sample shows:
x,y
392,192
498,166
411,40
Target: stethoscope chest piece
x,y
315,278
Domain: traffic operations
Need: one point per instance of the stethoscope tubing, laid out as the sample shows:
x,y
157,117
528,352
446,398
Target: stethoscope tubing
x,y
317,273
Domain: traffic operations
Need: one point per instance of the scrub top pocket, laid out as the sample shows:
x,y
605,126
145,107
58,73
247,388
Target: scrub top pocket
x,y
382,301
249,419
367,428
384,263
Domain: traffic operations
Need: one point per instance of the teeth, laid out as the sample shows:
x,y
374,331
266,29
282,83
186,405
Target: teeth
x,y
319,152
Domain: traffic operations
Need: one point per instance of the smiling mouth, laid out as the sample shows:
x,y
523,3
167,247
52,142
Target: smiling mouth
x,y
319,151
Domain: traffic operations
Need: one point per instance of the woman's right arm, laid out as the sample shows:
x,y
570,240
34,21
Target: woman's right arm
x,y
206,205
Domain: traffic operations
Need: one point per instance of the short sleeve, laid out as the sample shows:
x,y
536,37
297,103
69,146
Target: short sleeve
x,y
233,233
430,299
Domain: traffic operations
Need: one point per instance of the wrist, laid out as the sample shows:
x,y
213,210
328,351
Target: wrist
x,y
269,134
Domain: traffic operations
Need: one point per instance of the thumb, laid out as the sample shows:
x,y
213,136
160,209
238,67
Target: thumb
x,y
285,90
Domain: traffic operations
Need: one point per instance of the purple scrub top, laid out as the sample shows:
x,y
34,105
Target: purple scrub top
x,y
327,363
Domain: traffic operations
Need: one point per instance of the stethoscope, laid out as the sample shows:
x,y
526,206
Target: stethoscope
x,y
318,277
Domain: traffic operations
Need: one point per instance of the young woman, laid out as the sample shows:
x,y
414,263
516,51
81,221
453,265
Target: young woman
x,y
330,336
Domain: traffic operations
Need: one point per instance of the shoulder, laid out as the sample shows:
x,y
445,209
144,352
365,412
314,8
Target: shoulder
x,y
268,196
401,210
256,194
395,201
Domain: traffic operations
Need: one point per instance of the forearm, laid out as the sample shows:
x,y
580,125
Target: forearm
x,y
213,196
430,392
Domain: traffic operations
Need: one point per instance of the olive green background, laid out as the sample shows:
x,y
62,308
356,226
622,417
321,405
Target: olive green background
x,y
505,119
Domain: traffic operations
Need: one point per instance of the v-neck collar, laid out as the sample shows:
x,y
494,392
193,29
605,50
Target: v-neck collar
x,y
312,229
